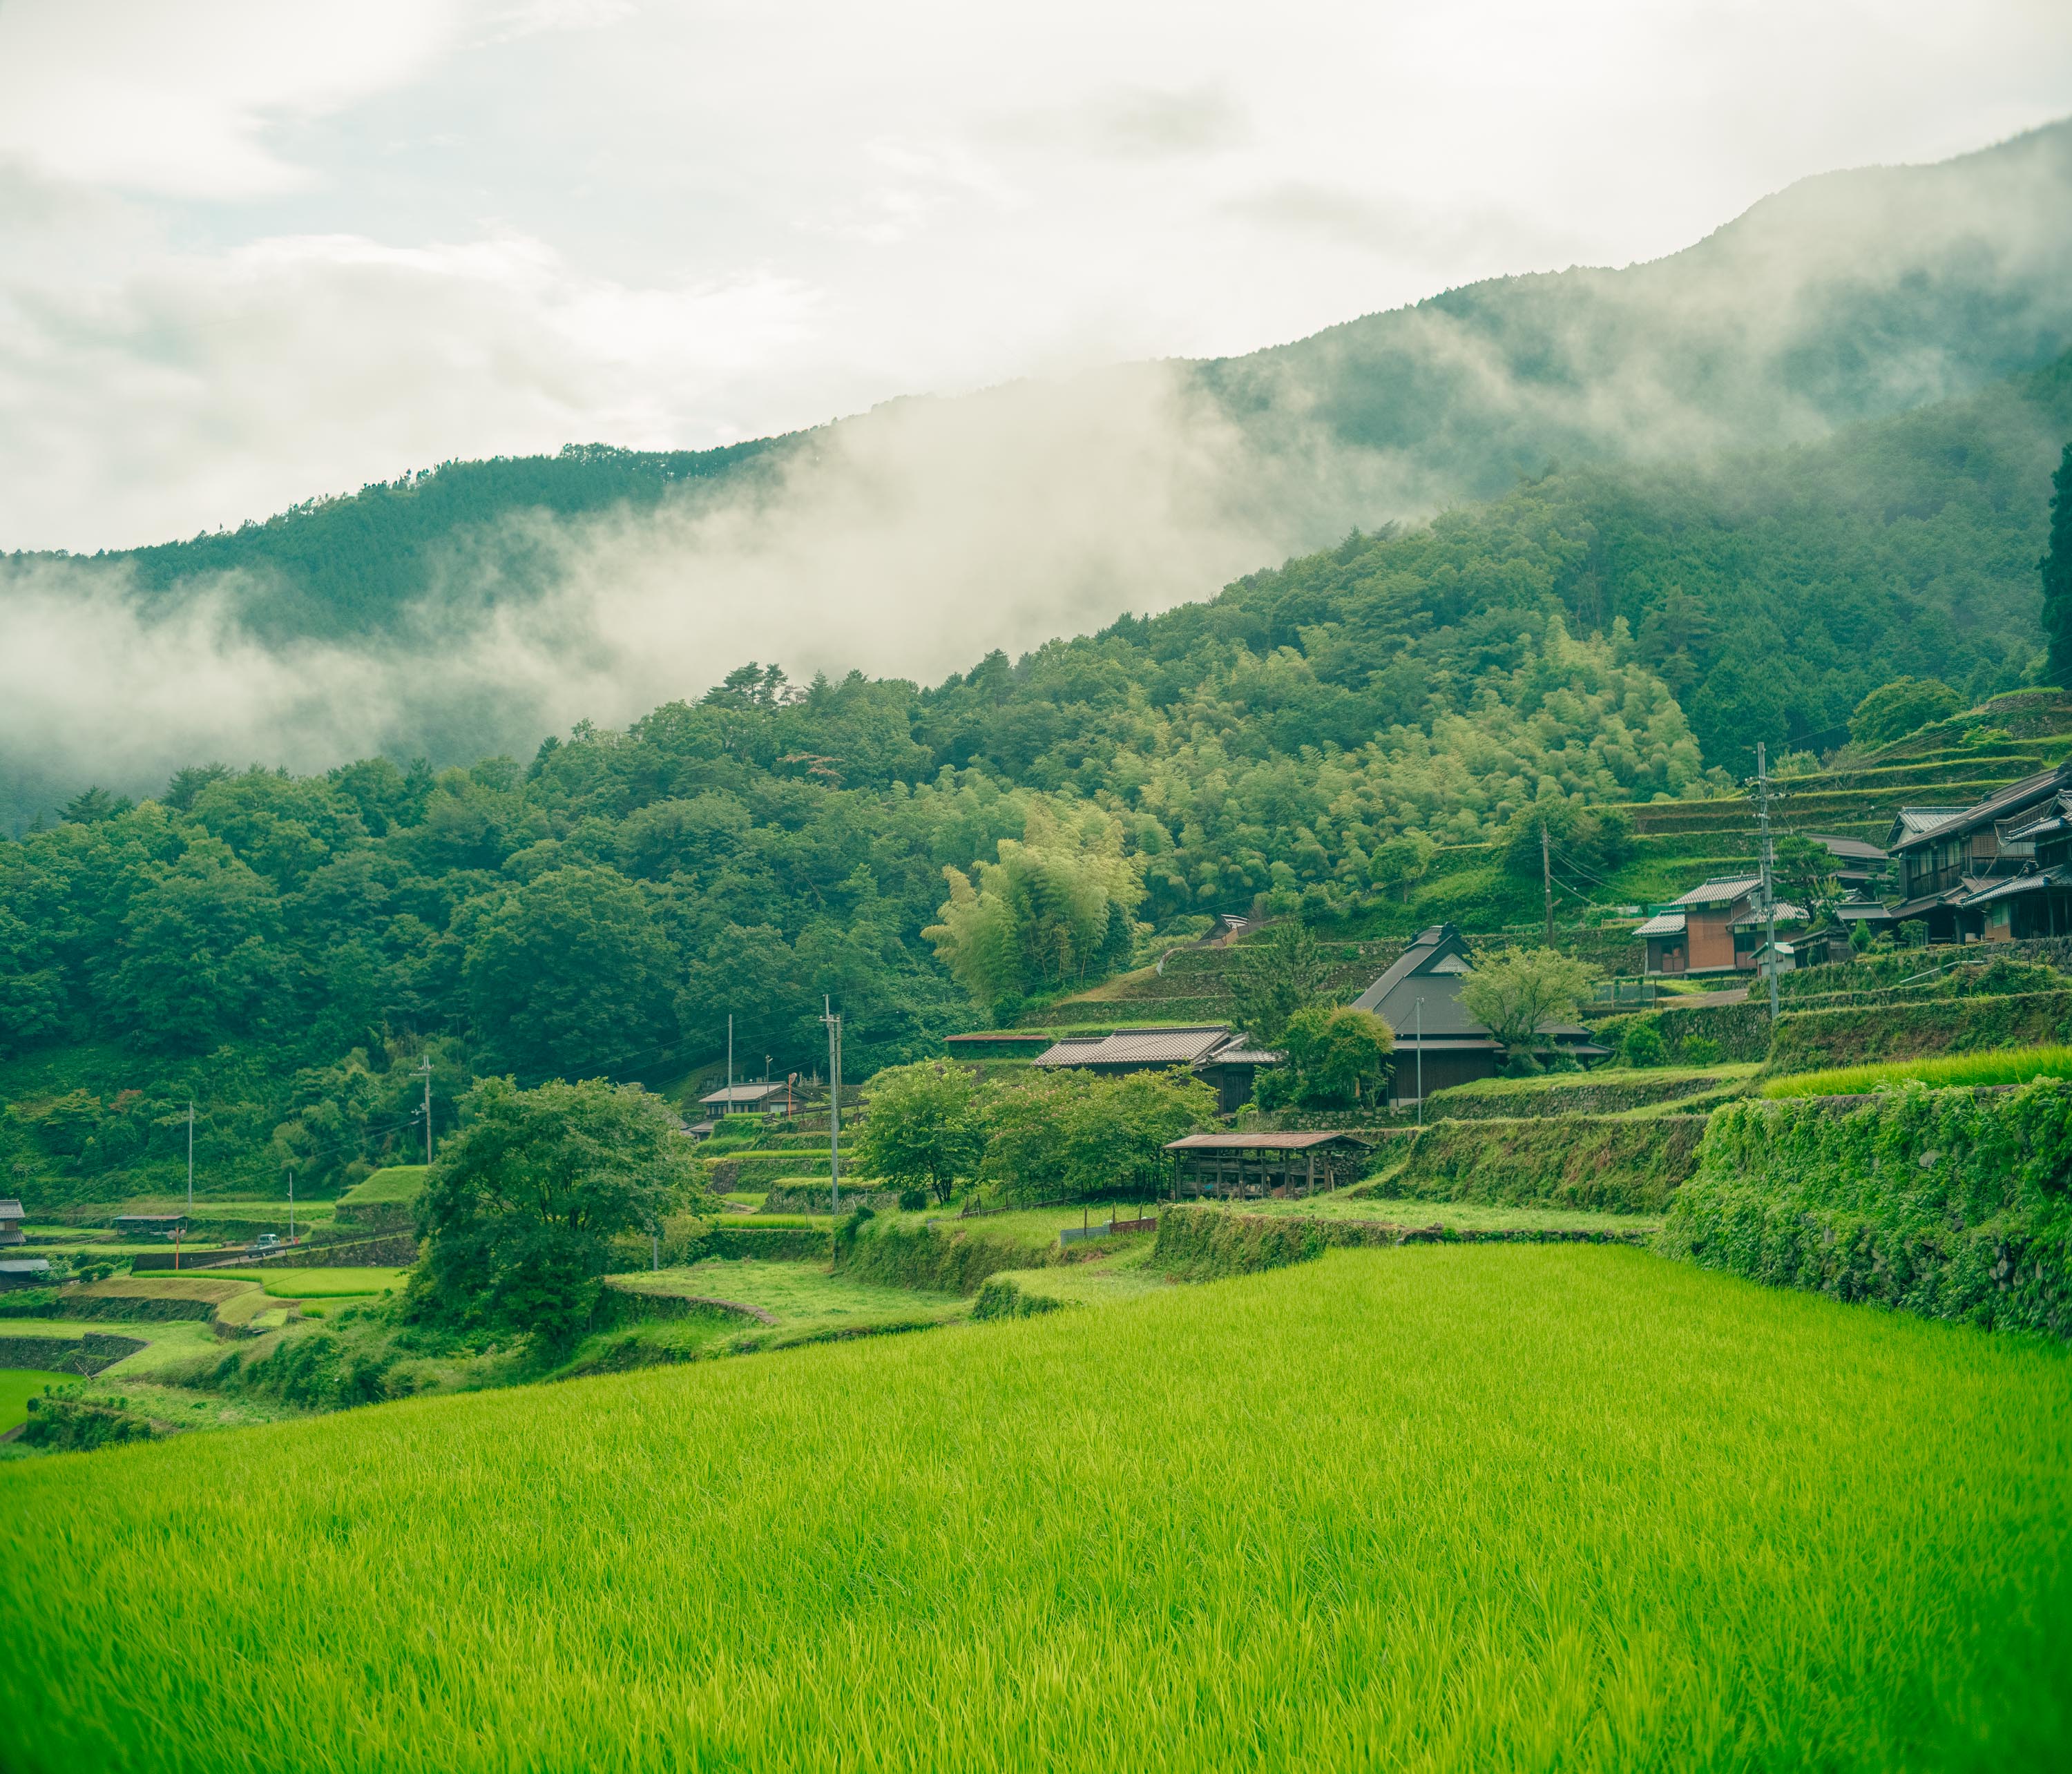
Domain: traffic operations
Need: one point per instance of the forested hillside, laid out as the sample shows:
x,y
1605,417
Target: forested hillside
x,y
286,949
1847,296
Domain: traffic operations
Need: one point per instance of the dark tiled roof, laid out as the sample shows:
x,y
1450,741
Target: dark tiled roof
x,y
1849,849
2021,883
1138,1047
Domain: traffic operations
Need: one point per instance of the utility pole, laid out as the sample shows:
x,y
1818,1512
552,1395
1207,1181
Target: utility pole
x,y
190,1160
1546,878
1421,1047
729,1109
1768,887
834,1102
291,1207
428,1111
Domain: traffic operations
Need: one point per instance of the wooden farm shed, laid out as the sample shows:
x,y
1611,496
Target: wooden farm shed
x,y
1265,1163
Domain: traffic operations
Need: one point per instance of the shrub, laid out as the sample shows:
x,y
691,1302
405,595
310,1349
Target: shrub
x,y
1896,709
61,1421
1643,1045
1000,1298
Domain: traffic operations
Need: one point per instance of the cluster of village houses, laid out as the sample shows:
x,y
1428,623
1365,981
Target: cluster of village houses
x,y
1994,871
1997,872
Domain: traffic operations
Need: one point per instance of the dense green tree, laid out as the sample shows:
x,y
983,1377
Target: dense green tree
x,y
1280,972
572,974
1055,908
2056,570
202,960
1894,710
1336,1056
1515,993
924,1127
1068,1133
519,1212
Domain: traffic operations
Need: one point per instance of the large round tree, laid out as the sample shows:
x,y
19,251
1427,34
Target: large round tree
x,y
571,977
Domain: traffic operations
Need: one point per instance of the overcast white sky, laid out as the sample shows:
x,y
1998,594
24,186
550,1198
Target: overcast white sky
x,y
253,250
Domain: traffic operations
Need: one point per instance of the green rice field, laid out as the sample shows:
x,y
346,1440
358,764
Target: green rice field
x,y
799,1295
1435,1508
18,1385
2006,1066
318,1284
1460,1216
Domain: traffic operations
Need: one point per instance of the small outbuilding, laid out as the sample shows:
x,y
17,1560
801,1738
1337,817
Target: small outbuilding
x,y
1239,1165
150,1226
746,1098
25,1272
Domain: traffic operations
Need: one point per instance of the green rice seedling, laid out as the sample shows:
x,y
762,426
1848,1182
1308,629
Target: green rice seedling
x,y
1427,1510
2005,1066
18,1385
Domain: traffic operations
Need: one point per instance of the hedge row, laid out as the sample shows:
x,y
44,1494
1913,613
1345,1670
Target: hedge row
x,y
1811,1040
1205,1244
1575,1161
1952,1204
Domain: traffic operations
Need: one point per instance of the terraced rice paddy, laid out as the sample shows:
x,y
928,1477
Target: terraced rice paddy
x,y
2004,1065
314,1283
800,1296
1432,1508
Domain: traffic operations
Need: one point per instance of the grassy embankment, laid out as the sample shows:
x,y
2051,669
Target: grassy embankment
x,y
1424,1509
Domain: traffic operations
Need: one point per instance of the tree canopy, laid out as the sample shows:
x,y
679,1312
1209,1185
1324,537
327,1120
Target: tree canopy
x,y
518,1213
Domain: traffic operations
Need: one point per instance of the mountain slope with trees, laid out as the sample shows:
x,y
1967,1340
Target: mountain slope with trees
x,y
287,950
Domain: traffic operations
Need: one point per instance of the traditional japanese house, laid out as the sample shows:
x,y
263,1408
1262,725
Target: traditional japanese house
x,y
1858,866
1996,870
747,1099
1214,1051
10,1221
1438,1042
1717,927
1236,1164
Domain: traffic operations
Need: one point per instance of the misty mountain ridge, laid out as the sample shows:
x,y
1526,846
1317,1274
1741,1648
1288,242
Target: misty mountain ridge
x,y
472,608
